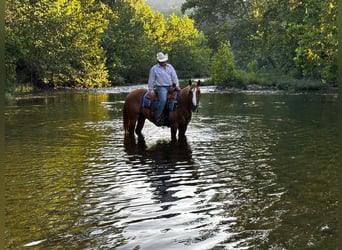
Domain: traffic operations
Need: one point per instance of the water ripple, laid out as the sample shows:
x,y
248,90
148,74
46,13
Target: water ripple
x,y
238,181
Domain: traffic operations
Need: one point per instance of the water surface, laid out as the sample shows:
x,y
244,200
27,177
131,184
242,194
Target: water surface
x,y
256,171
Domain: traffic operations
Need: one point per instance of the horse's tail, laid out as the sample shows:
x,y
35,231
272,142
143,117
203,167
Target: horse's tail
x,y
131,110
125,118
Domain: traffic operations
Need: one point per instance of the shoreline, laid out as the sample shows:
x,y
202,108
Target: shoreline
x,y
206,89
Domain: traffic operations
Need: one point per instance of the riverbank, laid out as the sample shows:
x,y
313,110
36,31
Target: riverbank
x,y
266,81
281,84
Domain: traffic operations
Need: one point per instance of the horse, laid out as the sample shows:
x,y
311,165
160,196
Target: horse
x,y
135,114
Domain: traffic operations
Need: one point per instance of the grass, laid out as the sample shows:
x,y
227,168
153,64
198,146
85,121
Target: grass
x,y
274,80
300,84
11,91
26,88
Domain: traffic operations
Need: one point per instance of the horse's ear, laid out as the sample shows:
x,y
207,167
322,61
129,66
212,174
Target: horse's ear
x,y
190,82
198,82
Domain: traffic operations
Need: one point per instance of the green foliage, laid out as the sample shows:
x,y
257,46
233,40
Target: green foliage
x,y
247,78
299,84
316,54
291,36
187,46
56,42
128,47
252,66
87,43
176,36
223,68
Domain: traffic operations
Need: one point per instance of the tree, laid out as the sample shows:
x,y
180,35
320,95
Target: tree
x,y
187,46
129,47
90,43
284,35
316,54
153,32
300,37
223,69
54,43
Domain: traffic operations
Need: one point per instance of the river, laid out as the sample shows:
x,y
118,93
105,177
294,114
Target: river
x,y
258,170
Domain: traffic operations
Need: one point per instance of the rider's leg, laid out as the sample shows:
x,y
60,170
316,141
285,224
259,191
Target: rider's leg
x,y
162,94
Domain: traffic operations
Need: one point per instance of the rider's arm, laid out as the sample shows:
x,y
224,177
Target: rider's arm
x,y
174,77
151,80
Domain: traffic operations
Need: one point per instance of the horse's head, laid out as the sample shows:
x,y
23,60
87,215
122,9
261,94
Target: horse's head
x,y
195,94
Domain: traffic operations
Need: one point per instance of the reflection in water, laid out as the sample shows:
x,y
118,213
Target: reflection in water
x,y
181,214
163,158
255,172
162,152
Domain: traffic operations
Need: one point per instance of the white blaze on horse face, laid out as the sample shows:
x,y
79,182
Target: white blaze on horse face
x,y
194,97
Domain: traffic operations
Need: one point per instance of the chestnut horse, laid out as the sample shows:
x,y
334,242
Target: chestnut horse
x,y
134,114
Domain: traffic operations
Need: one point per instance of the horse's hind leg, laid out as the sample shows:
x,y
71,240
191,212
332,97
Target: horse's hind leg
x,y
128,121
140,125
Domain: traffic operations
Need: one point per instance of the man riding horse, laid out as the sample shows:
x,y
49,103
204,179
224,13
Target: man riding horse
x,y
162,77
140,104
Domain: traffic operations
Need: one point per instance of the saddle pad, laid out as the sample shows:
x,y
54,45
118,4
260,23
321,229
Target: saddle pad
x,y
147,102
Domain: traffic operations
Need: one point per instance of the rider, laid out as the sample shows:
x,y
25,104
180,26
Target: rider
x,y
162,77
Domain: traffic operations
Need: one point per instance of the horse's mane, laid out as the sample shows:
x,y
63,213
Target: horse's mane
x,y
184,93
186,89
189,86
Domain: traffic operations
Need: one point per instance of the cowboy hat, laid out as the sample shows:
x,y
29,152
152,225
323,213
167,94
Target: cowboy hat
x,y
161,57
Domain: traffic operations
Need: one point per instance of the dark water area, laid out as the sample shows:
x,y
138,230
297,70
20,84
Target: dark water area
x,y
257,170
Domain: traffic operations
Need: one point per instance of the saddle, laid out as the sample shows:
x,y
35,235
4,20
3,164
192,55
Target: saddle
x,y
151,101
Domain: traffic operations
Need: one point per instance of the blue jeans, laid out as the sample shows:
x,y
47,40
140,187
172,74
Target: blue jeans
x,y
162,94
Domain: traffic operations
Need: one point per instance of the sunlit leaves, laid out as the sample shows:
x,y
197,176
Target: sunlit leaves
x,y
88,43
296,37
316,54
59,41
144,32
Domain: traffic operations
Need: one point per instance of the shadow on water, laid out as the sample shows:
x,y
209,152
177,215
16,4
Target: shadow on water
x,y
161,152
161,162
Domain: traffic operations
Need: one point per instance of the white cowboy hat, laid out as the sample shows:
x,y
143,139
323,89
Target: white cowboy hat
x,y
161,57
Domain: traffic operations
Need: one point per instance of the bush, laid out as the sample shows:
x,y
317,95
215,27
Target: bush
x,y
300,84
223,69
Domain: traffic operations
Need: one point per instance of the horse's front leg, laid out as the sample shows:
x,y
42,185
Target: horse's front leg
x,y
182,131
140,125
130,126
174,128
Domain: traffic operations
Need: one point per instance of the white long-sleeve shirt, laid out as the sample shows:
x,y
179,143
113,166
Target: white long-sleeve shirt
x,y
160,76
